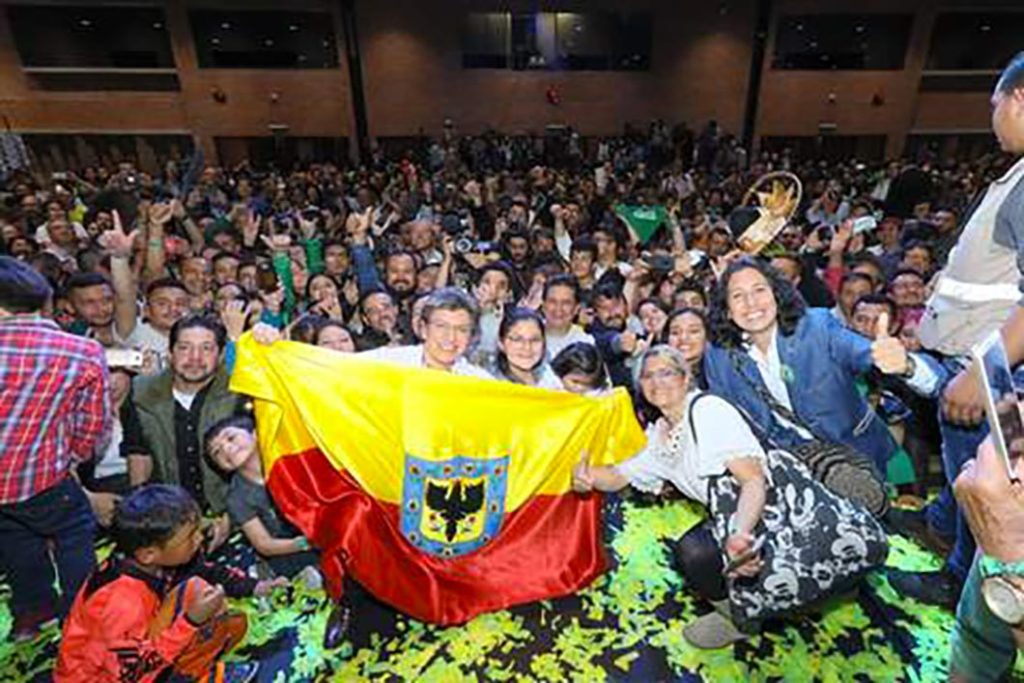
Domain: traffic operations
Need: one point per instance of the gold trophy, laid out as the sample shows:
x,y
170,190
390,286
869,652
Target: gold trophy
x,y
776,197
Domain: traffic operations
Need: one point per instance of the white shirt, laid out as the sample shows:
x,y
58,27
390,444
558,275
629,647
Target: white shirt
x,y
770,366
687,460
487,341
546,378
145,337
412,356
183,399
109,463
624,269
556,342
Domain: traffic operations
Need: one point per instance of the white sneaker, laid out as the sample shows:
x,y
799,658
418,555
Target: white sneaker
x,y
713,631
311,578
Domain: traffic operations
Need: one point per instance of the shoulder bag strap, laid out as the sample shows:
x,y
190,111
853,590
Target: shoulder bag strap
x,y
762,393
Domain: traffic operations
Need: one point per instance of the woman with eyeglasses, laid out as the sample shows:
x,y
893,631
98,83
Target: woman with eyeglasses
x,y
521,355
760,554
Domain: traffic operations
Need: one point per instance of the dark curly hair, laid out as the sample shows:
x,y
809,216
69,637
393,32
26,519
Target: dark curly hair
x,y
789,303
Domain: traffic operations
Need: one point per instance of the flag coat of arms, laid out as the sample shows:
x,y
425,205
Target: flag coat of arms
x,y
443,496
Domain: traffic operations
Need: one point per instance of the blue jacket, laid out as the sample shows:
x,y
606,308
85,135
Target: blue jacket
x,y
823,360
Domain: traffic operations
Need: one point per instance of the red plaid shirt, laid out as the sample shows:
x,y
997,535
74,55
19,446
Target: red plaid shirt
x,y
54,404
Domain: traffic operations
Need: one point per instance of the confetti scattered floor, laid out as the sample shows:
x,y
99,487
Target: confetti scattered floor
x,y
626,626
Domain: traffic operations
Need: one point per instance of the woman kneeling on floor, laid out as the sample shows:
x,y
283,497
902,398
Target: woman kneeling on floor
x,y
775,540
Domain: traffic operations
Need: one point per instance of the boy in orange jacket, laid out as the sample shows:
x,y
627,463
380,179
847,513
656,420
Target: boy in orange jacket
x,y
156,610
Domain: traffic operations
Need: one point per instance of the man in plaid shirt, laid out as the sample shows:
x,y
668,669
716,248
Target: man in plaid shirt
x,y
54,413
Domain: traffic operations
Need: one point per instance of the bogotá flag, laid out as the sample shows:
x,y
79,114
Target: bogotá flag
x,y
443,496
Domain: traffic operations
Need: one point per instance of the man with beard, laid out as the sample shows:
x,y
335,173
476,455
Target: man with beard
x,y
517,253
382,323
400,275
612,334
91,297
174,409
400,269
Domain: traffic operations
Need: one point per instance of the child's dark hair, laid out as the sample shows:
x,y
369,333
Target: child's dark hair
x,y
151,515
584,359
243,422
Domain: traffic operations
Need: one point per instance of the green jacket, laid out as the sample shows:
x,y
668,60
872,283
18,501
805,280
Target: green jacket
x,y
154,404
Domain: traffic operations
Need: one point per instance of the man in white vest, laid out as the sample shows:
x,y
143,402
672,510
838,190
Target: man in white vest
x,y
979,291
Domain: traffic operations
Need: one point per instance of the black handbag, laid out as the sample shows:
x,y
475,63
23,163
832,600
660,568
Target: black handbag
x,y
842,469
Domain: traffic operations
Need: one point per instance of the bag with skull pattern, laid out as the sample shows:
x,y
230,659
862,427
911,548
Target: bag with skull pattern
x,y
816,543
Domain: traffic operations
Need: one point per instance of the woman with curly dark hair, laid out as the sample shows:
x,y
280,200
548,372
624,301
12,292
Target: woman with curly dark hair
x,y
792,369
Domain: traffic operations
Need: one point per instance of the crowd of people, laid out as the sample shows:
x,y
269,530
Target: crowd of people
x,y
546,263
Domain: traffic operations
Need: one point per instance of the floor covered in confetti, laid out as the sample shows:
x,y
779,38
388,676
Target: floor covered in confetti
x,y
626,626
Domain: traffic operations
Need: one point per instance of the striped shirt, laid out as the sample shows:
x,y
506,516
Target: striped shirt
x,y
54,404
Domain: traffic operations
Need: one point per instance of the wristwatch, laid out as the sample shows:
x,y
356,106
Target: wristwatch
x,y
1005,599
911,367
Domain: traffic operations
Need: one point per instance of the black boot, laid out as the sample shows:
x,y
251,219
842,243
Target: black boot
x,y
940,588
337,624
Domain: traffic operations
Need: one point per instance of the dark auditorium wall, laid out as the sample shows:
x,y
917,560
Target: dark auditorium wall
x,y
312,103
797,102
412,61
411,66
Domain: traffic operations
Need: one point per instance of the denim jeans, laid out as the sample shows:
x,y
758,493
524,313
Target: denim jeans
x,y
959,444
53,529
981,646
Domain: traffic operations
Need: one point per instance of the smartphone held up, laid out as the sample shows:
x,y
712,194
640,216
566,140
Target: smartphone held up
x,y
1002,404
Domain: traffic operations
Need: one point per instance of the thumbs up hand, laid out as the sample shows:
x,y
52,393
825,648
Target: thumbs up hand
x,y
888,352
582,475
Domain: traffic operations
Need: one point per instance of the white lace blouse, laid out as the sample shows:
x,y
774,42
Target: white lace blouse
x,y
722,435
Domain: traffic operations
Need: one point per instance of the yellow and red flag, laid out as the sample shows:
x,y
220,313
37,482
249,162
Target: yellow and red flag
x,y
443,496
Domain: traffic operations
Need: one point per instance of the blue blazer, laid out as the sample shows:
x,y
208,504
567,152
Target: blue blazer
x,y
820,359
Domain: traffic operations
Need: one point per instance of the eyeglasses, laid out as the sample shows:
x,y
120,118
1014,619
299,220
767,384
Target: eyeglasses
x,y
532,341
663,373
446,328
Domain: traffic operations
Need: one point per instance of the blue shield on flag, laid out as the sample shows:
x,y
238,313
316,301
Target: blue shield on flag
x,y
452,507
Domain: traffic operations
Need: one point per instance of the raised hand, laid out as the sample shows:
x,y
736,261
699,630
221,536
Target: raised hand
x,y
887,352
329,306
534,298
114,241
628,341
161,214
842,237
358,226
266,334
233,316
277,243
485,295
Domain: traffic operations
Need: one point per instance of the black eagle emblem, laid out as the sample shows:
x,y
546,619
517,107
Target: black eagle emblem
x,y
454,503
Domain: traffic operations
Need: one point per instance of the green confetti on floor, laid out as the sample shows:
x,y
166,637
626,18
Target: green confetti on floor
x,y
629,619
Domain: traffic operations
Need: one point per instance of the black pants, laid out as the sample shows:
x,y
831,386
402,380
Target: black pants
x,y
699,559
